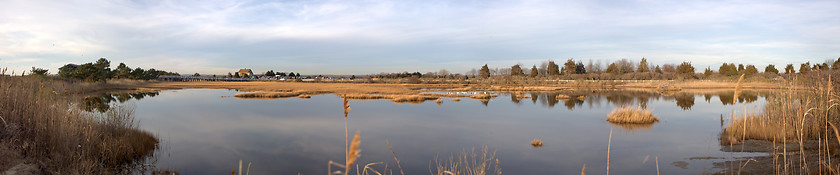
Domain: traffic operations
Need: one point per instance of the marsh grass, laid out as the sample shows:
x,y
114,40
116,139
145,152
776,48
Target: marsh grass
x,y
40,123
797,118
469,163
536,143
628,115
267,94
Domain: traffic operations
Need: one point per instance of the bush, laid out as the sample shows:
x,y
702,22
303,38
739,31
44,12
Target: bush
x,y
685,69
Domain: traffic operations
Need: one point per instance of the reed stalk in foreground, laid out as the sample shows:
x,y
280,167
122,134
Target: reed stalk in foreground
x,y
353,153
738,89
609,144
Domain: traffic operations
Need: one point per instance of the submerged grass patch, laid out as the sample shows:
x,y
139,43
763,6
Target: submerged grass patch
x,y
627,115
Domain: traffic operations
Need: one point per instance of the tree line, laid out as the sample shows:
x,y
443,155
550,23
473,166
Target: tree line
x,y
626,69
101,71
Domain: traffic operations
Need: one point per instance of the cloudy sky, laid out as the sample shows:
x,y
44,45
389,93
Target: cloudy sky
x,y
362,37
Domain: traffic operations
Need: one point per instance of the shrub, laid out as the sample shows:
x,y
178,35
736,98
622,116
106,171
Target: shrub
x,y
685,69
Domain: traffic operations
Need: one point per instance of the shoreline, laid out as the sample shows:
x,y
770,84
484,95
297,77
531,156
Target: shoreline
x,y
404,89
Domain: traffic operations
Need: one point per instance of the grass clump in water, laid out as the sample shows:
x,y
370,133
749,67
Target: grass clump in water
x,y
631,116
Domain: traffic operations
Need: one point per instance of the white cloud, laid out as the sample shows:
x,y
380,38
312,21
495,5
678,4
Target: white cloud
x,y
322,36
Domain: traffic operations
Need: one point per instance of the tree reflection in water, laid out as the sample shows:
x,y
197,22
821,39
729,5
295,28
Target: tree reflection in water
x,y
102,103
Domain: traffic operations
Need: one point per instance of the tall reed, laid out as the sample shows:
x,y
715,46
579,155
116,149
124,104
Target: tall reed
x,y
803,115
42,124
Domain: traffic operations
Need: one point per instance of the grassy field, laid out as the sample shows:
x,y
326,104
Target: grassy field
x,y
43,130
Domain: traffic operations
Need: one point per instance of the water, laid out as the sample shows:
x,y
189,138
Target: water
x,y
207,132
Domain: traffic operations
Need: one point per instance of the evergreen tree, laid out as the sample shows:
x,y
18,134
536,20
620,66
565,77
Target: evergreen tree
x,y
750,70
685,69
553,69
771,69
515,70
67,71
484,72
612,68
270,73
39,71
579,68
534,72
657,69
728,69
805,68
789,69
643,66
568,68
708,72
740,68
836,64
123,71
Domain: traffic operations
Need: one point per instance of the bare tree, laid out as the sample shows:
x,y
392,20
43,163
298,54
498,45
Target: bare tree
x,y
624,65
594,67
543,69
669,68
503,71
472,72
443,73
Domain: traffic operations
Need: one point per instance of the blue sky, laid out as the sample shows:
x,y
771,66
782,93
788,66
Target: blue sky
x,y
362,37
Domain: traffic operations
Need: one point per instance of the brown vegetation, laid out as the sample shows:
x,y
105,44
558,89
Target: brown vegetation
x,y
536,143
563,97
796,122
631,116
469,163
40,127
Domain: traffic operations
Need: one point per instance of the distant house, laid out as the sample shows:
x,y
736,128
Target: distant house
x,y
245,73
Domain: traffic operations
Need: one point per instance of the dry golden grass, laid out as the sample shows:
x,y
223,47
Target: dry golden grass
x,y
363,96
804,115
482,96
411,98
39,120
738,89
469,163
536,143
353,152
631,116
267,94
563,97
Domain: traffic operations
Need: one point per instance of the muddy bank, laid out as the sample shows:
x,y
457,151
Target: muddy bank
x,y
800,159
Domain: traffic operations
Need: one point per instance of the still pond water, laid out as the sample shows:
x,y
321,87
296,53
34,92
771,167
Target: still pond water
x,y
207,131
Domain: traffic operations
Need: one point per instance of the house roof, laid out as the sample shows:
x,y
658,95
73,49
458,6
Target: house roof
x,y
245,71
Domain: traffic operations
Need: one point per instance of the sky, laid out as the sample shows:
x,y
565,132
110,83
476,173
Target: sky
x,y
369,37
